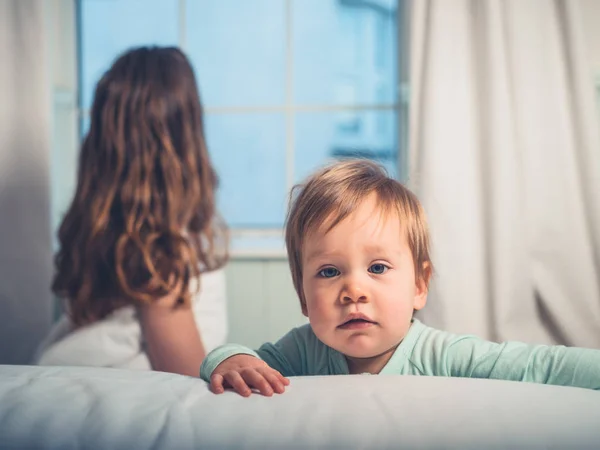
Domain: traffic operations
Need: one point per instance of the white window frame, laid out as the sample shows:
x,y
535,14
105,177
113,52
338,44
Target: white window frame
x,y
289,109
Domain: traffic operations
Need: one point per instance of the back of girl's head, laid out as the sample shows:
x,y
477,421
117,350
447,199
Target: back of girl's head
x,y
334,192
143,221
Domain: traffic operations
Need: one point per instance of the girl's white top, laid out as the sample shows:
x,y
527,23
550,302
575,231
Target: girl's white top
x,y
117,341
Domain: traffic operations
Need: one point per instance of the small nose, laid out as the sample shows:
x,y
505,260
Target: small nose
x,y
353,292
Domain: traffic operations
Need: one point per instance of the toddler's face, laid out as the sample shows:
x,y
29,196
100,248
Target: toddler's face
x,y
359,284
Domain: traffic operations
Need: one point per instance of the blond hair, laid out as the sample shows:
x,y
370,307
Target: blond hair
x,y
334,192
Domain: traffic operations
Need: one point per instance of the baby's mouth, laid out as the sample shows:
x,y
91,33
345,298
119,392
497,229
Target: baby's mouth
x,y
357,324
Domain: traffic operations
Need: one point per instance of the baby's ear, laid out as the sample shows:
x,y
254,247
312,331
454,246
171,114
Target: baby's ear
x,y
422,284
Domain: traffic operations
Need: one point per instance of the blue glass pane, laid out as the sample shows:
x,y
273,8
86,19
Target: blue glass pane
x,y
109,27
324,137
345,52
84,126
238,50
248,151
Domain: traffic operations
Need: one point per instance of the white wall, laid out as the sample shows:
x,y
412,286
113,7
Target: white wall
x,y
263,305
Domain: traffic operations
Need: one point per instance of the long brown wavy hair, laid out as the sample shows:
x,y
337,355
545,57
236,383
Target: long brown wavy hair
x,y
142,223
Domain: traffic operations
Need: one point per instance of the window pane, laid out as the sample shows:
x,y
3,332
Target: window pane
x,y
323,137
345,51
85,126
238,50
248,151
109,27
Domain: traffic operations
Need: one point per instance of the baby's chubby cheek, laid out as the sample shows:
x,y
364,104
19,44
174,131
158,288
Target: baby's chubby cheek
x,y
318,318
322,320
319,309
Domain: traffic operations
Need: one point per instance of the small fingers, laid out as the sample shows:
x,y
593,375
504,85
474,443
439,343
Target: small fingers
x,y
238,383
216,383
283,379
265,380
275,380
256,379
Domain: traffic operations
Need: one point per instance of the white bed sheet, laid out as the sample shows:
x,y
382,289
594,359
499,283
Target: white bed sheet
x,y
92,408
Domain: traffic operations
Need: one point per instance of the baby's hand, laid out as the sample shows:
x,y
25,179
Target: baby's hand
x,y
245,372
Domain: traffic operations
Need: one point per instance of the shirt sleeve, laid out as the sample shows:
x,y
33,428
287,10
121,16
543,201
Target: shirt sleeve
x,y
469,356
288,355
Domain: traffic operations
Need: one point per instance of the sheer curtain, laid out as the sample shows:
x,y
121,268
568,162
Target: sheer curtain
x,y
505,155
25,111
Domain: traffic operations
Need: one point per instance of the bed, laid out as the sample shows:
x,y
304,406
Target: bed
x,y
90,408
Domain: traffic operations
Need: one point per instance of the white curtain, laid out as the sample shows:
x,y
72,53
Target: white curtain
x,y
505,155
25,111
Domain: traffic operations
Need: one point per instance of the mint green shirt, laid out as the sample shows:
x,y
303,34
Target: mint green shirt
x,y
426,351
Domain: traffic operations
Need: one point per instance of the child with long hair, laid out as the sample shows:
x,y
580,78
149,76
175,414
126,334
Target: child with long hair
x,y
142,234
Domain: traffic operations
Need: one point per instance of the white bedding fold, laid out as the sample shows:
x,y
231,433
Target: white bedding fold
x,y
96,408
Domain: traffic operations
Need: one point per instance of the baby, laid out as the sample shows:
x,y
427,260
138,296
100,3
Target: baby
x,y
358,247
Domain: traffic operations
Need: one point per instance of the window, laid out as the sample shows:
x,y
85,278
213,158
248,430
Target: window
x,y
287,85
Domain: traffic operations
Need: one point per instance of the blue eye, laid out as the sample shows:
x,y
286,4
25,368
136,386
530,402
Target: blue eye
x,y
378,269
329,272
